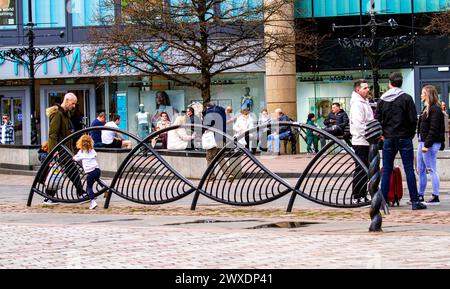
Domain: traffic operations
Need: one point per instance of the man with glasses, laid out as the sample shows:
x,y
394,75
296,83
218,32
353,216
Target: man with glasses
x,y
7,131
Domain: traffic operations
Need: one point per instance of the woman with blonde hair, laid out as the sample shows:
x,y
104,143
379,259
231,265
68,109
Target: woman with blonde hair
x,y
431,139
88,157
178,139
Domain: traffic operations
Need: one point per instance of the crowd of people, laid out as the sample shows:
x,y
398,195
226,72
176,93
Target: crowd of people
x,y
395,111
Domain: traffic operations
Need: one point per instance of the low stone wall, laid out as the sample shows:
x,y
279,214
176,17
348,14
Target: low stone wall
x,y
19,157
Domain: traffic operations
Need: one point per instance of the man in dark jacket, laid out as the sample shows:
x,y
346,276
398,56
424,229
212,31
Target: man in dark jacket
x,y
97,134
215,116
59,129
336,121
397,115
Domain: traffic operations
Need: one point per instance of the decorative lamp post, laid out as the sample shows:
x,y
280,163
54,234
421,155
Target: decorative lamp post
x,y
33,58
375,49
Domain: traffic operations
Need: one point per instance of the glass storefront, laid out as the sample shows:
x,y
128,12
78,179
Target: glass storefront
x,y
316,92
159,95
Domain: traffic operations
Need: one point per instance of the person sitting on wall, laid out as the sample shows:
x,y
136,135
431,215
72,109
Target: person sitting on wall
x,y
112,139
163,123
97,135
283,132
7,131
337,123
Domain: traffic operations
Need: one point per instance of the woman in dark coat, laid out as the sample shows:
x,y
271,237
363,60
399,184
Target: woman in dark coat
x,y
431,139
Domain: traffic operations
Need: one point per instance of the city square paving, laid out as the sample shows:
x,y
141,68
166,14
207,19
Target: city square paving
x,y
215,236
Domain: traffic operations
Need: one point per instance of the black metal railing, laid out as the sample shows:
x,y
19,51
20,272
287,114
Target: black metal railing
x,y
235,176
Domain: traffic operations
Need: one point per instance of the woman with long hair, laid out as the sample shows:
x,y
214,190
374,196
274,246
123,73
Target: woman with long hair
x,y
431,139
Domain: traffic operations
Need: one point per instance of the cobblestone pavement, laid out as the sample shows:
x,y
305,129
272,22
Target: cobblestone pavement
x,y
171,236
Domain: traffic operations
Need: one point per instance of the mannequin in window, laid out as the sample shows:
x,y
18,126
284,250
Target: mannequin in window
x,y
143,122
247,100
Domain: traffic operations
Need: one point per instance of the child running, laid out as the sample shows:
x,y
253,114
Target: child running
x,y
88,157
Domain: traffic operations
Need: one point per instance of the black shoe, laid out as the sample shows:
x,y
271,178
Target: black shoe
x,y
434,201
421,199
418,206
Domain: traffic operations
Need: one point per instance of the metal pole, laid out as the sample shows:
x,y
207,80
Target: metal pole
x,y
31,58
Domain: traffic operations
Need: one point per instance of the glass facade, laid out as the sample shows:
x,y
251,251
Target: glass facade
x,y
335,8
226,90
91,12
46,13
327,8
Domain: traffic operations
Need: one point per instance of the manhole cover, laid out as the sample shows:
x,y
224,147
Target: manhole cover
x,y
210,221
284,225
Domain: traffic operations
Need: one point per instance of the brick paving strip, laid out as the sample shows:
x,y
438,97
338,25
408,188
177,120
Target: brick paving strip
x,y
331,214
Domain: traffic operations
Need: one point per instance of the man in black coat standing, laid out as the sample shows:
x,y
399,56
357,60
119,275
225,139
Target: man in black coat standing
x,y
397,115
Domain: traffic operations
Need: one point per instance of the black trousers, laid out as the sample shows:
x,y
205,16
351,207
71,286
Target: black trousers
x,y
360,177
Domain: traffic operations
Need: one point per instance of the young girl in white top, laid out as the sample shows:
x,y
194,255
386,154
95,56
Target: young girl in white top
x,y
88,157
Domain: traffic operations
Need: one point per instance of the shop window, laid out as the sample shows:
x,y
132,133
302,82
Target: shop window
x,y
303,8
389,7
92,12
421,6
8,14
184,11
53,15
238,8
331,8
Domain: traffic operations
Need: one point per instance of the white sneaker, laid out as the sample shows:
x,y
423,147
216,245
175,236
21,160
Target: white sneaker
x,y
93,205
48,202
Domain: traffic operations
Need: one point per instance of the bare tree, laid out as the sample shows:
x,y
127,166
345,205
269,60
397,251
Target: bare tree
x,y
440,23
191,41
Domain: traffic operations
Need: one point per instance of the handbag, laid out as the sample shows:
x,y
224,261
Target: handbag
x,y
53,180
208,140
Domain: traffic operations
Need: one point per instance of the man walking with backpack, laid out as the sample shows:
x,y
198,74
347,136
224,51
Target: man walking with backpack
x,y
397,115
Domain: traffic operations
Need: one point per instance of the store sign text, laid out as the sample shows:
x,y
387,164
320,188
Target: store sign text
x,y
74,63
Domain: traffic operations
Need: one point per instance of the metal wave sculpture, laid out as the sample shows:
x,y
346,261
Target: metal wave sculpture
x,y
235,176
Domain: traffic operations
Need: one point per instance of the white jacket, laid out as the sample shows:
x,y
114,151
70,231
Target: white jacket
x,y
360,114
243,124
88,159
178,139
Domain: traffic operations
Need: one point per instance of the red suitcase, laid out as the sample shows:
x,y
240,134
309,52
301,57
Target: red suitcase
x,y
395,188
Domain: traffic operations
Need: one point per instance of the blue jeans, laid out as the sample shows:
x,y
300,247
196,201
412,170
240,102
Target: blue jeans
x,y
276,137
91,178
390,149
428,161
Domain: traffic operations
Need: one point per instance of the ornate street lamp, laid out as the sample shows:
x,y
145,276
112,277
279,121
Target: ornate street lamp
x,y
375,49
33,58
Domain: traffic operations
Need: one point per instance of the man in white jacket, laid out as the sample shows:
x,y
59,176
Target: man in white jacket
x,y
360,114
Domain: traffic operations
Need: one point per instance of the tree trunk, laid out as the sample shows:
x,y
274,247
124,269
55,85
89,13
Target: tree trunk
x,y
206,92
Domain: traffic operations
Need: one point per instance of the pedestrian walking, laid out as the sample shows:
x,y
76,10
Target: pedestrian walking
x,y
59,129
397,115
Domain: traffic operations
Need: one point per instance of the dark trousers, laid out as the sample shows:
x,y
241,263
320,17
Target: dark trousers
x,y
391,147
91,178
360,176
